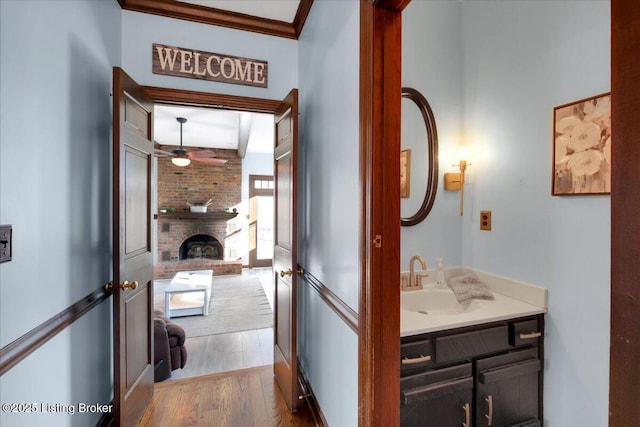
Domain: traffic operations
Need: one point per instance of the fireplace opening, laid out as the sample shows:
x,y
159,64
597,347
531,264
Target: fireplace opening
x,y
201,246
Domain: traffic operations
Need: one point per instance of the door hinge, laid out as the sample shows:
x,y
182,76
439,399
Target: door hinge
x,y
377,241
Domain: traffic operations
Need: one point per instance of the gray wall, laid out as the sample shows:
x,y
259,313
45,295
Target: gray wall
x,y
517,60
329,214
55,139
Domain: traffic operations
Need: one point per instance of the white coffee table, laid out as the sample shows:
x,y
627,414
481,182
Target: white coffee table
x,y
181,297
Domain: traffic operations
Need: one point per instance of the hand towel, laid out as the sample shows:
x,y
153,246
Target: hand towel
x,y
468,286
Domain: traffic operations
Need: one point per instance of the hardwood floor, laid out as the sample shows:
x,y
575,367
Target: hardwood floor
x,y
247,397
236,350
225,352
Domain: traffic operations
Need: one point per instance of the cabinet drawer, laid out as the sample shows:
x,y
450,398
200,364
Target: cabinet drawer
x,y
470,344
506,359
525,332
435,384
415,355
527,367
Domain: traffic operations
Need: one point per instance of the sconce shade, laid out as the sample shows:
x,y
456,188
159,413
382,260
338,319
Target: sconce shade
x,y
455,181
452,181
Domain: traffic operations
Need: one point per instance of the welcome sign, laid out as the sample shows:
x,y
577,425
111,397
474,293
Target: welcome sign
x,y
196,64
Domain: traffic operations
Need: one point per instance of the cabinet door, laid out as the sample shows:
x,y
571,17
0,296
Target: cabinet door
x,y
440,398
443,405
507,395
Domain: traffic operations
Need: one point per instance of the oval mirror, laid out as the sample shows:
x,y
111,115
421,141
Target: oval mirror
x,y
419,158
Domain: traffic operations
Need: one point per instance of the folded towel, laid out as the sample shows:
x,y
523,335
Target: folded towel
x,y
468,286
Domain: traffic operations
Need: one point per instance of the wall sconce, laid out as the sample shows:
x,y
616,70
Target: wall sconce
x,y
455,181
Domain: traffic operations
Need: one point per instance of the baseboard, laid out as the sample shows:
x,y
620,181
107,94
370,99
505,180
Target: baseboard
x,y
310,398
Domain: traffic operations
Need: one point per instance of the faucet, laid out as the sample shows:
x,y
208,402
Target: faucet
x,y
412,276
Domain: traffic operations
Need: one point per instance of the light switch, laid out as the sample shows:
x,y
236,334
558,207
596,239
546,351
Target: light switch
x,y
485,220
5,243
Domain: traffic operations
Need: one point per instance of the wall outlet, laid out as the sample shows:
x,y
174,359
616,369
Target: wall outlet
x,y
485,220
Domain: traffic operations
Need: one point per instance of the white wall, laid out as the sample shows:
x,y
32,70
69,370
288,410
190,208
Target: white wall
x,y
329,210
140,31
522,58
432,64
55,138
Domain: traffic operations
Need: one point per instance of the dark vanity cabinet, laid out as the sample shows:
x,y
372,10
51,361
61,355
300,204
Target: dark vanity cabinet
x,y
482,376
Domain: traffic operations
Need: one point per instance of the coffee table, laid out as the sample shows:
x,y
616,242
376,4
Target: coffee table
x,y
181,296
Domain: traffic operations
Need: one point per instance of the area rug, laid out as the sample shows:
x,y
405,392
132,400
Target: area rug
x,y
238,303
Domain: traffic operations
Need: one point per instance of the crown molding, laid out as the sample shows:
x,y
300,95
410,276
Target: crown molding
x,y
223,18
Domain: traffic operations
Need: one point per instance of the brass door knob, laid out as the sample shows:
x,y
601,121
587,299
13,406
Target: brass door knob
x,y
129,285
124,285
283,273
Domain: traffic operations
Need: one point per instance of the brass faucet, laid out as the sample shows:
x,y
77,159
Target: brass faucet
x,y
413,285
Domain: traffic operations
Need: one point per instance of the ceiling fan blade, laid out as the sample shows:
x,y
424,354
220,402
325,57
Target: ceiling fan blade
x,y
161,153
209,160
201,154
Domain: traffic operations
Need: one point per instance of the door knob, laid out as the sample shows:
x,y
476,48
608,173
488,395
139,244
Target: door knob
x,y
283,273
124,285
129,285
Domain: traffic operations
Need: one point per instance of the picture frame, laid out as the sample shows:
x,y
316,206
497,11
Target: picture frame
x,y
582,147
405,173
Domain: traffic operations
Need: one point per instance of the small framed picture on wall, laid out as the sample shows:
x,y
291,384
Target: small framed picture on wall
x,y
582,147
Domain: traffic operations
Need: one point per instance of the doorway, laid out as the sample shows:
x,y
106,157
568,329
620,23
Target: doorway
x,y
247,347
261,211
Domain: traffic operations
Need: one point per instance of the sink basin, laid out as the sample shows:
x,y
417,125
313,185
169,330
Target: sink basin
x,y
433,301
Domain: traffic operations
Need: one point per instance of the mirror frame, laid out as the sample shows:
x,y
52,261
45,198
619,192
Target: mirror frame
x,y
432,151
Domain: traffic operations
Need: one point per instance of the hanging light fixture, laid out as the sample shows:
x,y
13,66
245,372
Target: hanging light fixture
x,y
181,158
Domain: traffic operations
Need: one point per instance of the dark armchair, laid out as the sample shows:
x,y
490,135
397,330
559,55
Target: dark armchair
x,y
169,350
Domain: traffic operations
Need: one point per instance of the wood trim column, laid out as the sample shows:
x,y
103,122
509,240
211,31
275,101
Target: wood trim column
x,y
625,205
379,314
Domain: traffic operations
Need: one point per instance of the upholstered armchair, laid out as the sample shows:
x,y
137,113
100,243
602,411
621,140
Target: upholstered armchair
x,y
169,350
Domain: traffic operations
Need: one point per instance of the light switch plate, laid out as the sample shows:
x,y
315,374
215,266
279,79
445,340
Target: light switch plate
x,y
485,220
5,243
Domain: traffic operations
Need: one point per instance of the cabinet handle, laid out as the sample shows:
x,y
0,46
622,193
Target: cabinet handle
x,y
467,415
407,361
489,416
530,335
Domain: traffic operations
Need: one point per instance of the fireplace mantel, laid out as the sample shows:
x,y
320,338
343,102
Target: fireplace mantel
x,y
219,215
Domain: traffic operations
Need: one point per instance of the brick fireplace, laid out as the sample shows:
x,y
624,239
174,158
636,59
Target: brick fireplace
x,y
198,241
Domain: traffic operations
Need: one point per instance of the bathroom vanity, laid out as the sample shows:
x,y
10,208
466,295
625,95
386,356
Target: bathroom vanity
x,y
480,365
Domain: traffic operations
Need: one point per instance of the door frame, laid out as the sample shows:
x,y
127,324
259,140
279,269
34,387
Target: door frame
x,y
624,370
379,314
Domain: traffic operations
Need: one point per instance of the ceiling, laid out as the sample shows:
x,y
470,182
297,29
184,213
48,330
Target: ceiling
x,y
280,18
279,10
212,128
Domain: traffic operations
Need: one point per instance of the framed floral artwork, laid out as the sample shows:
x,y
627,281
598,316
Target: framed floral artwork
x,y
582,147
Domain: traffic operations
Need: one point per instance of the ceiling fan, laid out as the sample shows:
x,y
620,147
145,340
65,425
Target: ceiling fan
x,y
182,157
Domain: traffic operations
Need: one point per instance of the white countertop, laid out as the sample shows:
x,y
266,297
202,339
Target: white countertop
x,y
512,299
